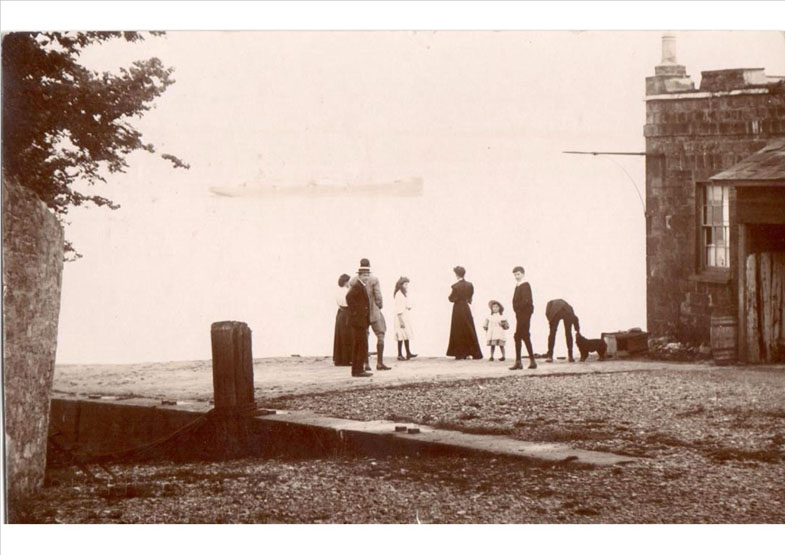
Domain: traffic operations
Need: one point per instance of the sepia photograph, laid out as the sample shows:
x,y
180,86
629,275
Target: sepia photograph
x,y
408,273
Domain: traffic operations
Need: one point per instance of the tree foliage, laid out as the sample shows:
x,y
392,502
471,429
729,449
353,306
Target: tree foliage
x,y
64,124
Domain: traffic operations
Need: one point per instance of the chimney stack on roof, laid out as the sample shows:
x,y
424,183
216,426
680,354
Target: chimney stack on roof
x,y
668,50
669,77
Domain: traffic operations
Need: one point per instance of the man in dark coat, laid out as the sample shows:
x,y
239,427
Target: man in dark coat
x,y
523,305
559,310
359,305
378,324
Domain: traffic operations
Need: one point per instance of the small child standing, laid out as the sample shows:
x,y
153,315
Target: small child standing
x,y
496,328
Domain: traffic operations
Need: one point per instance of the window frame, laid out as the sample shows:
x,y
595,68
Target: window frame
x,y
702,227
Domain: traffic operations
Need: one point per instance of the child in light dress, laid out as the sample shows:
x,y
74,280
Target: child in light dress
x,y
403,322
496,326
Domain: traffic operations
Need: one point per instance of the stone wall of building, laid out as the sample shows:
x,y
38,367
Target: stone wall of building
x,y
691,136
32,276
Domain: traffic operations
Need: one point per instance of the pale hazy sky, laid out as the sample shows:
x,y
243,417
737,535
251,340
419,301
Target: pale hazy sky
x,y
481,117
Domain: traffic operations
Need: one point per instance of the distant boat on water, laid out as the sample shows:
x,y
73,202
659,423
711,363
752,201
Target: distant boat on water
x,y
409,187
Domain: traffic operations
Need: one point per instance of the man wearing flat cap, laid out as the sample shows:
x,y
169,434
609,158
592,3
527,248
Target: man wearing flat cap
x,y
359,305
378,325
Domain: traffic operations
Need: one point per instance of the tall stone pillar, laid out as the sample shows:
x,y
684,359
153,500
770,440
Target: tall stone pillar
x,y
32,277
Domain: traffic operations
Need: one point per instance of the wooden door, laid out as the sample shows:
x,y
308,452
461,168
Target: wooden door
x,y
765,307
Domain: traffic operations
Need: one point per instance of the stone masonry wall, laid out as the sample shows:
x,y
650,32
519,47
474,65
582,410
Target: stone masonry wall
x,y
699,136
32,276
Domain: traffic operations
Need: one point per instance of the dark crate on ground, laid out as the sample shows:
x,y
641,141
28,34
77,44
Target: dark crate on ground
x,y
625,343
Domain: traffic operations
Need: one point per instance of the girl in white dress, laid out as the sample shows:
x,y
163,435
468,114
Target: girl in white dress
x,y
403,323
496,328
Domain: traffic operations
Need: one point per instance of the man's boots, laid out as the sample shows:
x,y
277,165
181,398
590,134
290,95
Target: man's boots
x,y
380,357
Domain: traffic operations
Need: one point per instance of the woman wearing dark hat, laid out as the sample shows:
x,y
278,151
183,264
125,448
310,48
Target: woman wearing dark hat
x,y
496,328
463,336
342,340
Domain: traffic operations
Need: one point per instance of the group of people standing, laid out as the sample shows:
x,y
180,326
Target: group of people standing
x,y
360,305
463,337
359,300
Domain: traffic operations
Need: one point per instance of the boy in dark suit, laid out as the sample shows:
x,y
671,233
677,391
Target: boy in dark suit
x,y
523,305
359,305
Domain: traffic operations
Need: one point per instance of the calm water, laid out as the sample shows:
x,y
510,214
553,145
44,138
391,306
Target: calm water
x,y
163,268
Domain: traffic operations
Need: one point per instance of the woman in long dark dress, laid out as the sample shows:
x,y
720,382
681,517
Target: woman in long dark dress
x,y
342,340
463,336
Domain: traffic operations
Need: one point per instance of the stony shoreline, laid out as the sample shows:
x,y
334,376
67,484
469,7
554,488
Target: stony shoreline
x,y
711,442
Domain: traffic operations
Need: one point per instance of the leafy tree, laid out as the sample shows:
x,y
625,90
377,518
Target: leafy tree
x,y
65,124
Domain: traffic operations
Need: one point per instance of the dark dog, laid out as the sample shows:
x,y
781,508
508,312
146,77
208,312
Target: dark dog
x,y
586,346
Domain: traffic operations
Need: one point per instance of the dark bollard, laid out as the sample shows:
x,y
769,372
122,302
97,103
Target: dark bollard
x,y
232,383
232,364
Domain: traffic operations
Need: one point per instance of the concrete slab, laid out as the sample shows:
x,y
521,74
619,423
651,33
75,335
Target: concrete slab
x,y
450,440
104,426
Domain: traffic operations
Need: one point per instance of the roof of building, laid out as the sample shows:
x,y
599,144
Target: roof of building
x,y
765,167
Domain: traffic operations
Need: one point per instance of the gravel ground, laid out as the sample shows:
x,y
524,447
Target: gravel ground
x,y
711,444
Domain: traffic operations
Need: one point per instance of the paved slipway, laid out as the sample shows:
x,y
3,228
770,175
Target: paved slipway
x,y
191,383
274,377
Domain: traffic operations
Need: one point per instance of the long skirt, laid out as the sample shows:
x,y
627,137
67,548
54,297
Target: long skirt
x,y
342,341
463,335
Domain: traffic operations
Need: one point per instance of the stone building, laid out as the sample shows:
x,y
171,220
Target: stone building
x,y
694,234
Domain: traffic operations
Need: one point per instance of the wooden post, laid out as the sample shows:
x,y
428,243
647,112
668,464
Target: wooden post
x,y
232,384
232,364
